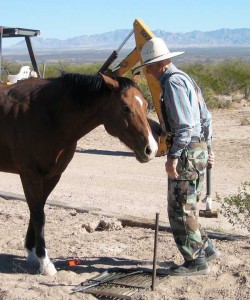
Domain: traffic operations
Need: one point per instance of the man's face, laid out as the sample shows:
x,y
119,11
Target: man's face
x,y
155,70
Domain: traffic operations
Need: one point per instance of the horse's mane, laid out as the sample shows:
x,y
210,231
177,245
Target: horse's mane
x,y
91,84
94,83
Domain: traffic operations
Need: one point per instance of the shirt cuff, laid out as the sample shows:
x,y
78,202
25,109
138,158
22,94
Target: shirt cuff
x,y
175,152
173,156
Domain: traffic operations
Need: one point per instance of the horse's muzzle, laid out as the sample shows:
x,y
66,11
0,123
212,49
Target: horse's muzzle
x,y
148,154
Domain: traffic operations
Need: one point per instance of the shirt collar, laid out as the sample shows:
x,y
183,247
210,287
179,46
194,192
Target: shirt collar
x,y
168,72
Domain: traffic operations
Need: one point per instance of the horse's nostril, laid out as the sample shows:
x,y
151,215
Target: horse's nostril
x,y
148,151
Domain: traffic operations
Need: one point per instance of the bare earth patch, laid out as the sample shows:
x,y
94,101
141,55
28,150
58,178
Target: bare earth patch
x,y
104,175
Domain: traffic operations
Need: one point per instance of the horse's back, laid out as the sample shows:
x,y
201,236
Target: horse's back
x,y
29,127
18,99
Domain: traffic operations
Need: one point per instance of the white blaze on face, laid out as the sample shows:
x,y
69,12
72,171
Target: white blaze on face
x,y
139,100
153,145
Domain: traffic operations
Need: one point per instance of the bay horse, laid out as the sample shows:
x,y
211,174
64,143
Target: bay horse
x,y
41,121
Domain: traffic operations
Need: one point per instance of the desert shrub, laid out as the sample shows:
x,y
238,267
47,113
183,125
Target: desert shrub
x,y
215,80
64,67
236,208
51,71
204,75
89,69
224,78
235,76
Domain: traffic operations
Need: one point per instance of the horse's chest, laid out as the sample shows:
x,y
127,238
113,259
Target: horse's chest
x,y
61,160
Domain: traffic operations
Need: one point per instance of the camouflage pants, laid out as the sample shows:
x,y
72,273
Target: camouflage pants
x,y
183,195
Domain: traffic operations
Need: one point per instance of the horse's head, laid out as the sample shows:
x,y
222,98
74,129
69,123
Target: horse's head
x,y
124,116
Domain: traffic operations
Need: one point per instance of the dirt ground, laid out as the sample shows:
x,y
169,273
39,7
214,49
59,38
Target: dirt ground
x,y
105,176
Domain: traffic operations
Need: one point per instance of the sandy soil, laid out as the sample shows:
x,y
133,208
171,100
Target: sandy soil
x,y
104,175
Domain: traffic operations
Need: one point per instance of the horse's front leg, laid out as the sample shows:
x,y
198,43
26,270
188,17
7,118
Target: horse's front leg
x,y
30,241
33,185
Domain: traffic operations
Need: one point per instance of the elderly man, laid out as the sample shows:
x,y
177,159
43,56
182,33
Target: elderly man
x,y
188,121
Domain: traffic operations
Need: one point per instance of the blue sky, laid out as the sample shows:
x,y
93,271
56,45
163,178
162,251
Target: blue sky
x,y
69,18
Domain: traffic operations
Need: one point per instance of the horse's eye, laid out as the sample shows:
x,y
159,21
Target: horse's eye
x,y
126,109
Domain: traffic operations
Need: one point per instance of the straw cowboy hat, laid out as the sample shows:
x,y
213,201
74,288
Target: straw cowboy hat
x,y
155,50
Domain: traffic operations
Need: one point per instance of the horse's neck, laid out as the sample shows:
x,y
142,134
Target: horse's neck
x,y
84,119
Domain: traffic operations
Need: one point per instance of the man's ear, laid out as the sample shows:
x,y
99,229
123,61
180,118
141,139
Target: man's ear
x,y
137,77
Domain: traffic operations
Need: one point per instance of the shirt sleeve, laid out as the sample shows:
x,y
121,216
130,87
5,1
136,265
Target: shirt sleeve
x,y
206,119
179,110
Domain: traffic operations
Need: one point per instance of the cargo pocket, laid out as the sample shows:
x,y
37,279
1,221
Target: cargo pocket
x,y
198,157
186,167
181,192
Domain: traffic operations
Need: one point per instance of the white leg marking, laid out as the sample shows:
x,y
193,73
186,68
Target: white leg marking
x,y
153,145
139,100
46,266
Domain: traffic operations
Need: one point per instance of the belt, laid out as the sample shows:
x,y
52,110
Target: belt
x,y
197,139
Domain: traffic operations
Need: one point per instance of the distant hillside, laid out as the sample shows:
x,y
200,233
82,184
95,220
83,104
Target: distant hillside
x,y
111,40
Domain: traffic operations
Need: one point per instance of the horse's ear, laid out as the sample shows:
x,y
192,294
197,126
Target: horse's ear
x,y
111,83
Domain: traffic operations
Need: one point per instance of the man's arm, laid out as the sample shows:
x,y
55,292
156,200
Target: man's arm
x,y
179,111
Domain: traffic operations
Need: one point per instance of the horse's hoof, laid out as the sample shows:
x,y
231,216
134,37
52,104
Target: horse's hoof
x,y
49,270
46,266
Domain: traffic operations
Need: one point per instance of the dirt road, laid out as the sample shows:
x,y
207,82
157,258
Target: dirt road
x,y
105,175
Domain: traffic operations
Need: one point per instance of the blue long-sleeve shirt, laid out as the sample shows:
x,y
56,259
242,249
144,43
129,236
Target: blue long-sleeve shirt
x,y
187,115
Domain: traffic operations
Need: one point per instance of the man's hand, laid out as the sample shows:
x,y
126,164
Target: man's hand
x,y
170,166
210,161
